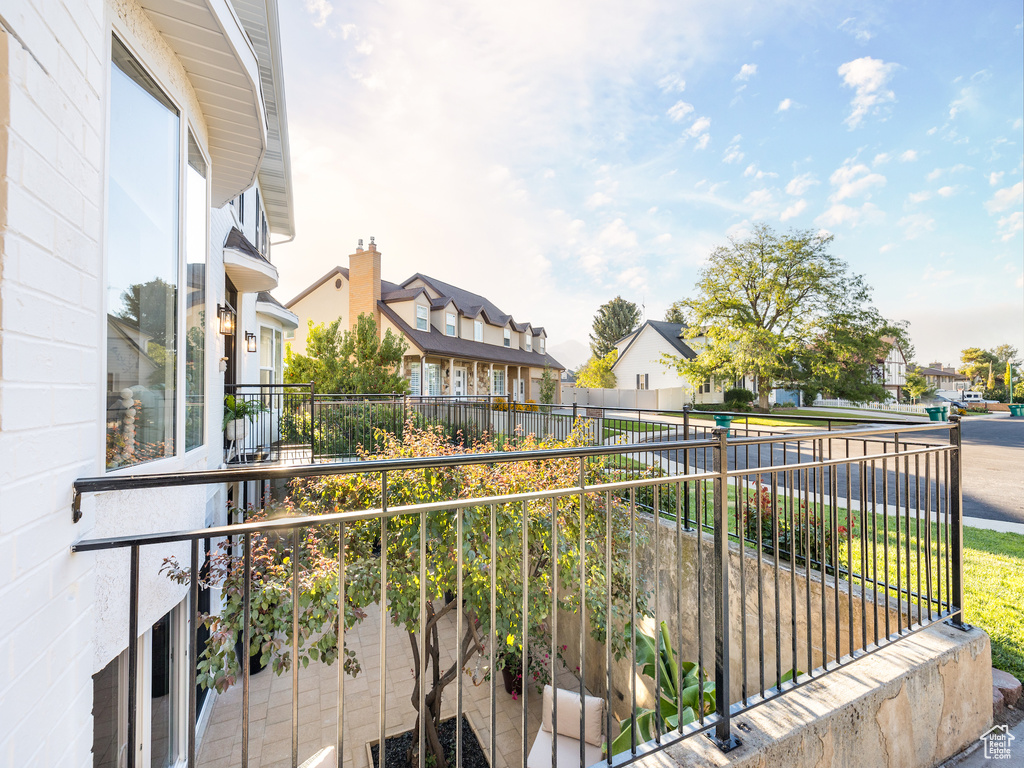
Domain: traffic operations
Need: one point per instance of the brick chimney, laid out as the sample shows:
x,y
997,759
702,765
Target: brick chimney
x,y
364,283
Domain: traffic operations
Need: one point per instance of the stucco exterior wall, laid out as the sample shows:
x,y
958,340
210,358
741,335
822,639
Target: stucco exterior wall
x,y
324,305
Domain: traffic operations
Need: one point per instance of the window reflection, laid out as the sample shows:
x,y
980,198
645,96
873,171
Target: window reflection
x,y
142,266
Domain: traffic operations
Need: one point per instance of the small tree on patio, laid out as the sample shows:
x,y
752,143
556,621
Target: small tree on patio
x,y
437,532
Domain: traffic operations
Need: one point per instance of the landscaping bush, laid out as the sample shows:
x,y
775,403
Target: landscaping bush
x,y
738,399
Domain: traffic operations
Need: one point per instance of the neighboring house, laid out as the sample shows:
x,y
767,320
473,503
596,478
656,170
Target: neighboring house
x,y
460,343
640,363
893,369
144,167
943,377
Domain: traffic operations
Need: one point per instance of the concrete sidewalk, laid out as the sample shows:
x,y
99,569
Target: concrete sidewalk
x,y
975,757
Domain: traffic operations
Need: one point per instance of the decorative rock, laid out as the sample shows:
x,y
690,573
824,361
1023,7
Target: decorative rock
x,y
998,704
1008,685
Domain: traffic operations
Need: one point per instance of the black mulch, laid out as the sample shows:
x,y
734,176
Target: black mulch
x,y
398,747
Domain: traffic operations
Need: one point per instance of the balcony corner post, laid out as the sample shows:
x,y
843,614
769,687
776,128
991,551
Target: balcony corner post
x,y
722,735
956,501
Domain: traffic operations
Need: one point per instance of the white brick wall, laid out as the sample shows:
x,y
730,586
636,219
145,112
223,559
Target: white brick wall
x,y
67,613
49,373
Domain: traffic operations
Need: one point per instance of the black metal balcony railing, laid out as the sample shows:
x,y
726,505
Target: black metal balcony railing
x,y
299,425
839,543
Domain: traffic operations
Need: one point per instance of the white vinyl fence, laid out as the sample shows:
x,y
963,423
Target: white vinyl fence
x,y
890,407
669,399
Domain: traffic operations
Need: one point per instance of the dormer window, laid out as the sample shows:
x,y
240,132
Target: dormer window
x,y
449,324
422,318
529,342
478,330
508,337
541,340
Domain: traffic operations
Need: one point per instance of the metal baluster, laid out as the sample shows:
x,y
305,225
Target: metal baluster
x,y
193,641
583,605
133,653
525,622
422,682
554,630
295,648
632,618
382,748
957,526
458,634
342,602
246,641
608,620
494,630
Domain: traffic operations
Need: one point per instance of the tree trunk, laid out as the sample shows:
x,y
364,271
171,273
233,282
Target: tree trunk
x,y
762,395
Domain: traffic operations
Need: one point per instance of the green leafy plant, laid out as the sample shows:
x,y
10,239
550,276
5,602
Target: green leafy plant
x,y
242,408
678,707
738,398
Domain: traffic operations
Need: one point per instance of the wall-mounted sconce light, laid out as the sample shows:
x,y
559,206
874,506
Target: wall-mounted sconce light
x,y
250,341
226,317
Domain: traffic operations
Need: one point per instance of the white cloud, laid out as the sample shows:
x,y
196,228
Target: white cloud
x,y
703,141
841,214
799,185
598,199
1005,198
733,153
909,156
618,235
854,180
995,177
794,210
670,83
857,29
665,237
919,197
1011,225
784,105
679,110
887,247
946,191
759,198
746,72
868,77
881,158
700,125
320,9
933,175
916,224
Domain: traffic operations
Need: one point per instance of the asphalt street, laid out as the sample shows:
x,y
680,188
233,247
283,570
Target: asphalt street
x,y
993,468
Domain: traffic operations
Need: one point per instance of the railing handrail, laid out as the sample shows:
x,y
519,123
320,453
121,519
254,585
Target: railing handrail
x,y
240,474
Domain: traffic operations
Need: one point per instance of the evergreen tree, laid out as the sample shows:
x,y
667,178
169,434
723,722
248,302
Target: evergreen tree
x,y
613,320
674,314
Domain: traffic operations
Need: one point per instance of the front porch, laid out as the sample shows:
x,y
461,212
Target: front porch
x,y
433,376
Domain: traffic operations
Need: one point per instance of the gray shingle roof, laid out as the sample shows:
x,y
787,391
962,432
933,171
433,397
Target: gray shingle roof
x,y
434,342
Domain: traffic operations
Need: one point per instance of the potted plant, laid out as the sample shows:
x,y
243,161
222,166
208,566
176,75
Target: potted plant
x,y
238,412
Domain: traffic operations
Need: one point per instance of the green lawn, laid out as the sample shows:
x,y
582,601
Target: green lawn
x,y
765,421
993,570
615,427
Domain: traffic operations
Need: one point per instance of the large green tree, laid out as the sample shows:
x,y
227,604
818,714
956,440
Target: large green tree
x,y
783,309
356,361
676,313
974,363
613,320
597,373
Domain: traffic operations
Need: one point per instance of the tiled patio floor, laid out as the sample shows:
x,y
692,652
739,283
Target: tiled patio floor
x,y
270,700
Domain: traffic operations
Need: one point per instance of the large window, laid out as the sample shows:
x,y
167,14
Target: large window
x,y
498,382
196,208
508,337
478,330
529,342
414,379
449,323
270,356
433,379
422,318
142,266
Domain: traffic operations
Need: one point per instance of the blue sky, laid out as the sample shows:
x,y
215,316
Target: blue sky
x,y
554,155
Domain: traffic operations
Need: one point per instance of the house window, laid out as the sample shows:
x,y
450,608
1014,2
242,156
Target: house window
x,y
449,323
197,206
434,379
422,318
478,330
142,266
541,344
498,382
643,381
241,208
414,379
270,356
508,338
529,342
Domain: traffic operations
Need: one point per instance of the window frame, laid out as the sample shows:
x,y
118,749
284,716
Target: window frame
x,y
451,320
478,330
529,342
425,317
508,338
127,40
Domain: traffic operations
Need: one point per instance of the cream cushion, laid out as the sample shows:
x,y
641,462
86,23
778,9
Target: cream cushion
x,y
569,715
566,749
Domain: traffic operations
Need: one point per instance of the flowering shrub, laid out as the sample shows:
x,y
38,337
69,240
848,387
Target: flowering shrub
x,y
799,532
